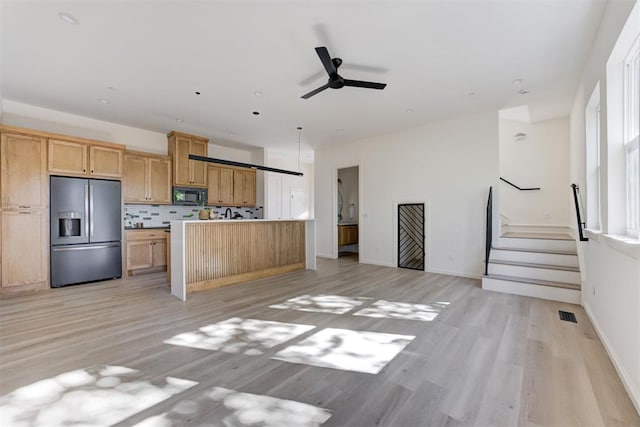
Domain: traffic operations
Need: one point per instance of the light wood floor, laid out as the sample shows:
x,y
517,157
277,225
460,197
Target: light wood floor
x,y
488,359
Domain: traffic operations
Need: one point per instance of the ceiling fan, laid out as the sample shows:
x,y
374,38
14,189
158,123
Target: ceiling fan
x,y
336,81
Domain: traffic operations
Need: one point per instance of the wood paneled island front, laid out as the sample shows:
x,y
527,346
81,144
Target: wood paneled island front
x,y
209,254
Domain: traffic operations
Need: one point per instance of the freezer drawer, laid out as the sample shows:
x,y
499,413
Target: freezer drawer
x,y
85,263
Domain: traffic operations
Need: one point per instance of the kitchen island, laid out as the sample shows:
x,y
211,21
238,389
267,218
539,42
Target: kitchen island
x,y
209,254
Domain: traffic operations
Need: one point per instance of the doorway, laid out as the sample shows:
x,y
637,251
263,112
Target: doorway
x,y
348,208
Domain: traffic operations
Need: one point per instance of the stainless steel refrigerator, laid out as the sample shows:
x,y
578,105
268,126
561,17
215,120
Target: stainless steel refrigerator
x,y
86,230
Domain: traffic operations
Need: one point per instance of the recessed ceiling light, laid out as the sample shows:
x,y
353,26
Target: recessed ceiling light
x,y
256,113
179,120
68,18
523,91
517,81
472,93
257,93
105,101
409,110
340,130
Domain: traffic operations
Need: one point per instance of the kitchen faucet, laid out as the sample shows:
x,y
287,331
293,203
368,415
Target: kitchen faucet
x,y
227,213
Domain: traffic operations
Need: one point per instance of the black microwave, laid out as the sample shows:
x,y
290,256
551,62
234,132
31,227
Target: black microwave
x,y
188,196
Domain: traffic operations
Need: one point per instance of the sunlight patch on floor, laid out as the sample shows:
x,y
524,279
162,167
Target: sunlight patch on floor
x,y
403,310
335,304
236,335
359,351
241,409
96,396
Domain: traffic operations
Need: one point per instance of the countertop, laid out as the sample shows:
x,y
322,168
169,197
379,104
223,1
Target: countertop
x,y
347,223
196,221
165,227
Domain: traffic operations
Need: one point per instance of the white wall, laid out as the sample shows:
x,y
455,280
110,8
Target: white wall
x,y
448,165
538,159
32,117
610,268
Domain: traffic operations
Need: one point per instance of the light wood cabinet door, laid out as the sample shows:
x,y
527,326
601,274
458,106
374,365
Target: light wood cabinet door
x,y
226,186
105,161
145,249
220,186
159,248
139,255
25,247
198,168
250,188
135,179
244,188
24,171
181,172
188,173
66,157
347,234
159,181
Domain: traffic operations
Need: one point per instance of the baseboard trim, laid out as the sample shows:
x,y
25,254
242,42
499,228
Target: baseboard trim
x,y
454,273
328,256
373,262
633,393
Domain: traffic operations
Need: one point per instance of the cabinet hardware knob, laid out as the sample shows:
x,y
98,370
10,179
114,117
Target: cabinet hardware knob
x,y
91,170
84,170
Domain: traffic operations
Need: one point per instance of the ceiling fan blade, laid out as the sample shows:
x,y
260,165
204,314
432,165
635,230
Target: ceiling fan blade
x,y
368,85
315,92
323,53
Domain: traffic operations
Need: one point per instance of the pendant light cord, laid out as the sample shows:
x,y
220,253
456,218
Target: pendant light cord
x,y
299,136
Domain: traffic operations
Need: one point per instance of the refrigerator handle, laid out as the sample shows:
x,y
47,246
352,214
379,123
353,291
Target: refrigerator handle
x,y
86,210
91,211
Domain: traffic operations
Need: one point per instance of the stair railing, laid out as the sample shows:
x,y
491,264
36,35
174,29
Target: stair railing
x,y
581,225
516,187
489,229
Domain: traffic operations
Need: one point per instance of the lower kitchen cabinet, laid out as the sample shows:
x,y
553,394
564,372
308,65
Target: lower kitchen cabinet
x,y
347,234
25,248
145,250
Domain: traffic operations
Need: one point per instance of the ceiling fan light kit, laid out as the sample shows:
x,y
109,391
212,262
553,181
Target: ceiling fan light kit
x,y
336,81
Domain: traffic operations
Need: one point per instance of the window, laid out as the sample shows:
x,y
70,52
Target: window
x,y
592,132
631,117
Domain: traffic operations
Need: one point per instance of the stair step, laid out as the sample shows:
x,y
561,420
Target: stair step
x,y
534,265
536,244
551,273
555,291
544,236
535,281
537,251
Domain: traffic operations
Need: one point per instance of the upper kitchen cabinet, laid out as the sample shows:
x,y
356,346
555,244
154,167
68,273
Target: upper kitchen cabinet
x,y
220,187
78,158
244,187
188,173
147,178
24,171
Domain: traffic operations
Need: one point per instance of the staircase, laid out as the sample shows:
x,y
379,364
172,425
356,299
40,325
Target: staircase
x,y
535,264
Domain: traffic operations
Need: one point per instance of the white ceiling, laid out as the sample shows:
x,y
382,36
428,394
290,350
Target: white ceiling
x,y
430,53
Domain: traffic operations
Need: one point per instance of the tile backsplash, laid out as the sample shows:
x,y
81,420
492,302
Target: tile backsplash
x,y
161,215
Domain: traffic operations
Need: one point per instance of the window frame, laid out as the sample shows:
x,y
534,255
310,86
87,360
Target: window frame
x,y
631,126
